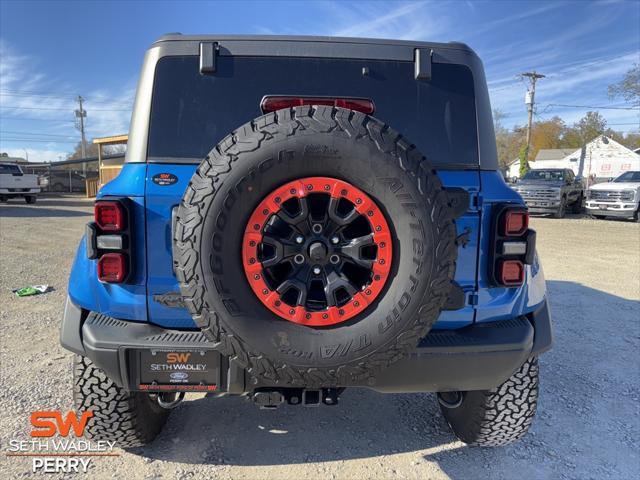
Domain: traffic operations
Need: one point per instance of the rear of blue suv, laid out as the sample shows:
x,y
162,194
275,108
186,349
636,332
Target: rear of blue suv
x,y
301,215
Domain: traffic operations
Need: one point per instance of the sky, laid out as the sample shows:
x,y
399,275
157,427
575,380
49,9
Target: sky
x,y
52,51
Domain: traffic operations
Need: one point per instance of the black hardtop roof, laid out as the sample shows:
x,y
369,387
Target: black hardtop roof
x,y
177,37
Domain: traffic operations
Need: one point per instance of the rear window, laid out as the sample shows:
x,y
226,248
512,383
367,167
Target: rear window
x,y
9,169
554,175
192,112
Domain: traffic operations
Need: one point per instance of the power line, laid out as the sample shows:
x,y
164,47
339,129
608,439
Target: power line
x,y
26,93
36,134
590,106
51,140
32,119
65,109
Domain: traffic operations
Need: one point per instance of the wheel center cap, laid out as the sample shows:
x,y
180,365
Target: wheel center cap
x,y
318,251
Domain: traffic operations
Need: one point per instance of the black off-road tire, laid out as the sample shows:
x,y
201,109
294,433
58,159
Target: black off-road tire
x,y
562,209
267,153
129,419
496,417
577,205
30,199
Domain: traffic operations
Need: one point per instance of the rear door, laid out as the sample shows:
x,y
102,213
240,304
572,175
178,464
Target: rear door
x,y
192,112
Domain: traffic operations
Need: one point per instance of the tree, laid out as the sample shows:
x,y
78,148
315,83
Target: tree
x,y
91,148
507,142
524,165
547,134
590,126
628,88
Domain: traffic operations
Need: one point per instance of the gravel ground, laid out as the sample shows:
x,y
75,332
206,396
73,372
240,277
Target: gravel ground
x,y
587,424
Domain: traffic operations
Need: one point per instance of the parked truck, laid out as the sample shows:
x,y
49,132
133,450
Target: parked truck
x,y
14,183
552,191
618,198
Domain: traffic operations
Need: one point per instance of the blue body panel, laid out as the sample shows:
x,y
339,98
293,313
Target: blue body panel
x,y
503,303
160,277
152,210
126,301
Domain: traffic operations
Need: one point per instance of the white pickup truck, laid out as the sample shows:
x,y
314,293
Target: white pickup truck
x,y
617,198
15,183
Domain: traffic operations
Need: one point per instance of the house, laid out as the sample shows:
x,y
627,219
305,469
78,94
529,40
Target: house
x,y
602,158
544,155
513,169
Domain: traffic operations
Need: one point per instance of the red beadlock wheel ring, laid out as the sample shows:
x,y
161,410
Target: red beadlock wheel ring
x,y
319,250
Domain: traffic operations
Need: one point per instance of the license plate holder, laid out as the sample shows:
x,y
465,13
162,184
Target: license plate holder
x,y
181,370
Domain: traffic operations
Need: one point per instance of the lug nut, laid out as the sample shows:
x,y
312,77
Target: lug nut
x,y
317,228
334,259
334,240
299,259
299,239
316,270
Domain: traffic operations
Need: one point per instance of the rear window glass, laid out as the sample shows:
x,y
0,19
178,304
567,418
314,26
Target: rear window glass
x,y
544,175
9,169
191,113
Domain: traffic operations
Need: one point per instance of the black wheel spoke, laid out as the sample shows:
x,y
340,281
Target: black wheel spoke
x,y
296,221
335,282
336,217
353,250
295,284
284,249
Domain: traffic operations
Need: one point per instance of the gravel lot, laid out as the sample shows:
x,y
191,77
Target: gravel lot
x,y
588,419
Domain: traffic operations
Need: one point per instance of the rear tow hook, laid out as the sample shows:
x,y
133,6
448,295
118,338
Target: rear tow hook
x,y
169,401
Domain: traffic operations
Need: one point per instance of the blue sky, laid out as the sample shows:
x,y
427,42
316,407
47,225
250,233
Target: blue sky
x,y
51,51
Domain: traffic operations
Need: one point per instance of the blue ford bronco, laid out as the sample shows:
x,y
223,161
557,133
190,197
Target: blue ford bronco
x,y
301,215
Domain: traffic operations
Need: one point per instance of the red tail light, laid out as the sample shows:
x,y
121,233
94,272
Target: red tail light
x,y
112,268
511,272
515,223
276,102
109,216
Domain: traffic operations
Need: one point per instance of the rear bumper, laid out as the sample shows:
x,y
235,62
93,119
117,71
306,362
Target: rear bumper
x,y
18,192
476,357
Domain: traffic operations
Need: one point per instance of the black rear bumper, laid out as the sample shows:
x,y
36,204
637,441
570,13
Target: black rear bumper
x,y
477,357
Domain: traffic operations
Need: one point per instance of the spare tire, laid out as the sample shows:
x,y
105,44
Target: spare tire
x,y
315,246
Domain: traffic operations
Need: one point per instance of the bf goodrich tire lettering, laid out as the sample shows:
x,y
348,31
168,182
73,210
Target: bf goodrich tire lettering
x,y
267,153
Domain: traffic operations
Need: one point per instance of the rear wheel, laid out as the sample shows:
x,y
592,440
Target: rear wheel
x,y
30,199
496,417
561,209
129,419
577,206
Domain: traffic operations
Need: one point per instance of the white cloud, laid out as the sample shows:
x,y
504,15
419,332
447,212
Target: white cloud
x,y
401,20
38,154
43,109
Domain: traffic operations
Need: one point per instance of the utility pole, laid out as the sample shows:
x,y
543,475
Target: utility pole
x,y
80,116
529,100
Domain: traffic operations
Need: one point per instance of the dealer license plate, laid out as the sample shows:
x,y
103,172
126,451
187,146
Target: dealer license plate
x,y
178,370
